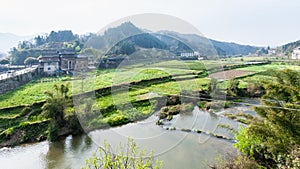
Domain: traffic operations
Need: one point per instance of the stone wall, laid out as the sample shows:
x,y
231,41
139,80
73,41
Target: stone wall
x,y
14,82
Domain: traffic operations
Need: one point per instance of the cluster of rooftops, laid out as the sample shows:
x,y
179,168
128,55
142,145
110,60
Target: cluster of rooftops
x,y
54,61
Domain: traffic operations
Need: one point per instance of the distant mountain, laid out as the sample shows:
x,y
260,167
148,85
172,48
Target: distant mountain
x,y
231,48
124,38
288,48
206,46
9,40
195,42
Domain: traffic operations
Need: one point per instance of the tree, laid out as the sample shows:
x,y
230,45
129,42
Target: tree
x,y
271,137
233,88
30,61
255,90
125,157
25,45
61,36
54,108
39,40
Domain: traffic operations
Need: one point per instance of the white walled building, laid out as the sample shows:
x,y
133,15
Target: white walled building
x,y
187,54
296,53
52,61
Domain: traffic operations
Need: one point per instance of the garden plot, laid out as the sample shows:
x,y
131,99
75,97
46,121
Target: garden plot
x,y
230,74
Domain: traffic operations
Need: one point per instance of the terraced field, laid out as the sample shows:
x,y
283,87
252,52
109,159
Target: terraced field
x,y
230,74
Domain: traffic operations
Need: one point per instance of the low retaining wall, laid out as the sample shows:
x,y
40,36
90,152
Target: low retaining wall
x,y
12,83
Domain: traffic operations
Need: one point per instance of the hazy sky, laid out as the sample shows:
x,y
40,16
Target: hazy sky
x,y
255,22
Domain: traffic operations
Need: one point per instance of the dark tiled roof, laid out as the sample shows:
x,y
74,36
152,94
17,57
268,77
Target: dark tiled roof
x,y
50,52
49,60
68,55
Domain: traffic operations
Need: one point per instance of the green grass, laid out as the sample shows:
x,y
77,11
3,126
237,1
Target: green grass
x,y
136,93
27,94
34,91
194,64
260,68
251,58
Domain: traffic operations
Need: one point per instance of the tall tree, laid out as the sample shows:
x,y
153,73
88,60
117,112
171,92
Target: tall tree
x,y
39,40
54,108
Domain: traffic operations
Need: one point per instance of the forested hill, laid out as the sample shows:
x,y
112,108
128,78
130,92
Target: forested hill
x,y
112,36
198,43
230,48
204,45
64,39
288,48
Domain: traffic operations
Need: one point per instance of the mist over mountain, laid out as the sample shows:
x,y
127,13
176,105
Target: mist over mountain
x,y
9,40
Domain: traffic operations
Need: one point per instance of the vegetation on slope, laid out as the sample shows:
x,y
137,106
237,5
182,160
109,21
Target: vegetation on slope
x,y
272,141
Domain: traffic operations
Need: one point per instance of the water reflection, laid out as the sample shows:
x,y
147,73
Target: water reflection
x,y
66,153
31,156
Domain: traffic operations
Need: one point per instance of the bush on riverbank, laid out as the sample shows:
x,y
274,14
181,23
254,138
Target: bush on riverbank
x,y
238,162
125,156
169,111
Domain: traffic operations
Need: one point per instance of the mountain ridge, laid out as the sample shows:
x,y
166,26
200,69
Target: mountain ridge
x,y
204,46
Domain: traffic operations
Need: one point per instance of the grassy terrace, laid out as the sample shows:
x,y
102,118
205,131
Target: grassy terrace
x,y
136,93
34,91
264,73
27,94
270,66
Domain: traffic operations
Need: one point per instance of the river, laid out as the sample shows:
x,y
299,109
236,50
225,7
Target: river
x,y
178,149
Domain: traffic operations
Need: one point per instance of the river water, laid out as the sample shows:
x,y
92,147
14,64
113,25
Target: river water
x,y
178,149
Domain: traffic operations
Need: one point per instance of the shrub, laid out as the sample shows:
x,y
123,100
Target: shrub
x,y
117,119
238,162
201,104
125,156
